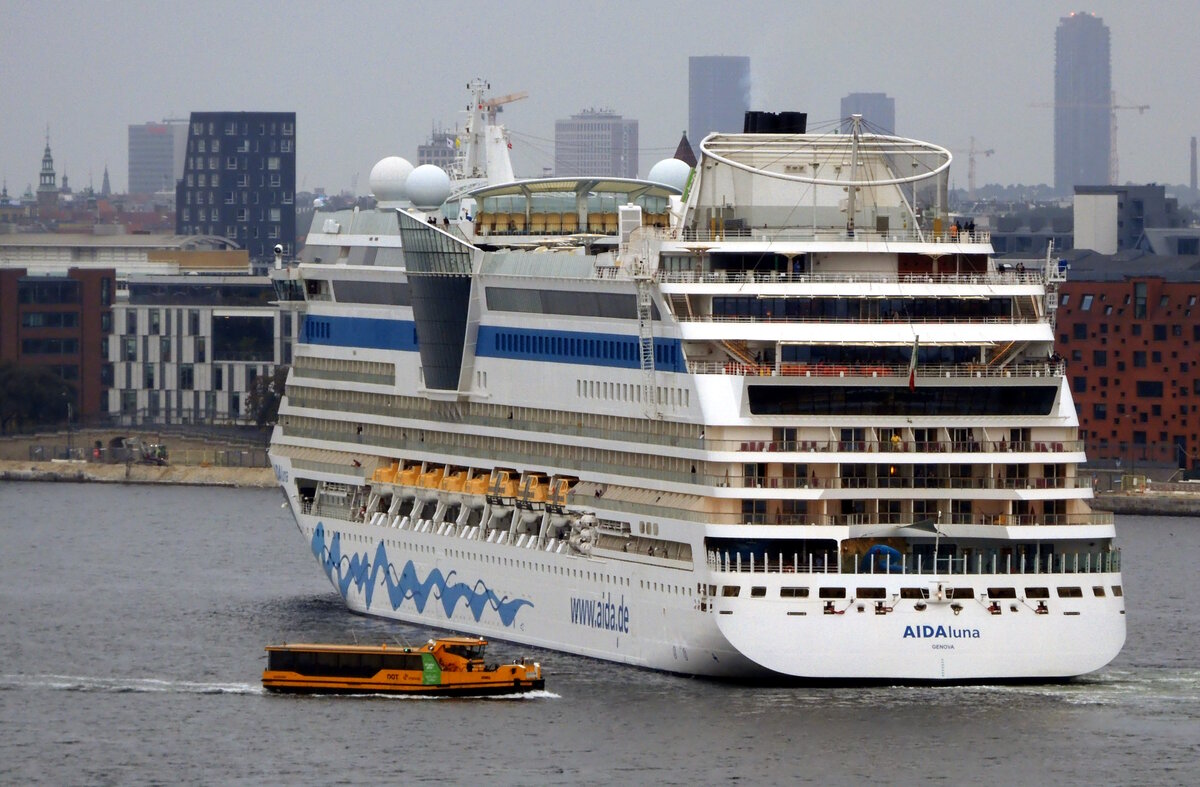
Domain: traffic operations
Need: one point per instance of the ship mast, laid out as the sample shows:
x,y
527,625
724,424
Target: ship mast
x,y
855,130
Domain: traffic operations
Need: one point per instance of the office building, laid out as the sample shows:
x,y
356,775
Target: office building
x,y
596,142
156,152
441,150
239,181
1082,103
187,349
1109,219
718,94
877,109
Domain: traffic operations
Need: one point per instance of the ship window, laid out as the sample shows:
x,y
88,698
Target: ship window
x,y
793,592
1098,591
1002,592
832,593
758,592
1117,591
1037,593
914,592
731,591
960,592
871,593
1070,592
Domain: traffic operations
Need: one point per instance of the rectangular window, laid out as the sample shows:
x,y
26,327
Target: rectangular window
x,y
1086,303
201,355
1148,389
1099,357
1139,359
1100,411
1079,331
1160,333
185,377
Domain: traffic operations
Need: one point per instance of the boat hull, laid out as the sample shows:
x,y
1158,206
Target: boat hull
x,y
612,610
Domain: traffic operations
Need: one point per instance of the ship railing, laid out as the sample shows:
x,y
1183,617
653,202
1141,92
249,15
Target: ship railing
x,y
821,234
299,373
895,446
903,481
301,399
910,520
989,278
983,561
875,320
926,372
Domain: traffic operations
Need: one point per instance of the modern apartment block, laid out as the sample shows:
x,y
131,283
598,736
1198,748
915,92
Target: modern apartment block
x,y
156,155
187,349
718,94
596,142
1129,327
239,181
1082,103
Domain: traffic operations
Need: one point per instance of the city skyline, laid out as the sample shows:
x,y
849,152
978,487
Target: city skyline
x,y
369,82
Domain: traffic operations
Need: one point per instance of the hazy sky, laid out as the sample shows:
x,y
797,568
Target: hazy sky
x,y
369,79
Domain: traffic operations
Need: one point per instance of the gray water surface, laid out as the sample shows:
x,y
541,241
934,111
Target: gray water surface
x,y
134,620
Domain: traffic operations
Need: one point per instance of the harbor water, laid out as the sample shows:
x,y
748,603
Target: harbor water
x,y
131,647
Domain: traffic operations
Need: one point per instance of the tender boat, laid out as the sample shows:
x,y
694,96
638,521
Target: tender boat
x,y
448,666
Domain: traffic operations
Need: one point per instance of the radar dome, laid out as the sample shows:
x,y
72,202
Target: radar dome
x,y
388,178
428,186
670,172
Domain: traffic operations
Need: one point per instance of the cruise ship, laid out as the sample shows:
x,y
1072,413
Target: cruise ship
x,y
775,417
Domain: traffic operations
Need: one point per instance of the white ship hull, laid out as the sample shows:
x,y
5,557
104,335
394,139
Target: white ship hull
x,y
637,613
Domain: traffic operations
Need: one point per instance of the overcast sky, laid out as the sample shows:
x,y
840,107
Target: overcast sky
x,y
369,79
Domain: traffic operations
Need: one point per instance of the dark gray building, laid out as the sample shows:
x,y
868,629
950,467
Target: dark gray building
x,y
596,142
1082,103
156,152
877,109
718,94
239,181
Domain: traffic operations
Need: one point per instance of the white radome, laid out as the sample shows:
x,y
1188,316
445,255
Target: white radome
x,y
670,172
388,178
428,186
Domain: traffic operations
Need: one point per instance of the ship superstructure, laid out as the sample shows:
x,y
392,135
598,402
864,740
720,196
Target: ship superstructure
x,y
768,418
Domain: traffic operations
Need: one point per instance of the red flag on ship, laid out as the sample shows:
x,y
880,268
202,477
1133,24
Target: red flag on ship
x,y
912,366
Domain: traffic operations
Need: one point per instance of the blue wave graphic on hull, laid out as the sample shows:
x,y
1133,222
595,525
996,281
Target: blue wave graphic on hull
x,y
355,569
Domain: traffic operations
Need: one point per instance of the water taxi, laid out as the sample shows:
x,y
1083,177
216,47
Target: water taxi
x,y
449,666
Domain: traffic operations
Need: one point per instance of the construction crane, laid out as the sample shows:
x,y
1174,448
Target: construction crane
x,y
1112,106
972,152
494,105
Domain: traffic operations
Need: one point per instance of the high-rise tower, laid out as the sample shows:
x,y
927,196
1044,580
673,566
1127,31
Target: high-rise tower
x,y
1082,103
718,95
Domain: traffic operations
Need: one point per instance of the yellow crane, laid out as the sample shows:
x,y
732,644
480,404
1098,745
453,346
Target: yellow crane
x,y
494,105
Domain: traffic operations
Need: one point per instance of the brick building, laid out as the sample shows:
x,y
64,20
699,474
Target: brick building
x,y
62,323
1129,328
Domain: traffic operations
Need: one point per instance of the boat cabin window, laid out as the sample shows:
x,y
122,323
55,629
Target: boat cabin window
x,y
466,651
1098,591
914,592
871,593
1037,593
832,593
758,592
1117,590
1002,592
731,591
793,592
1070,592
960,592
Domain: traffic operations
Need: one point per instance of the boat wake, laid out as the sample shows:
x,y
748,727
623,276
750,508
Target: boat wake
x,y
85,683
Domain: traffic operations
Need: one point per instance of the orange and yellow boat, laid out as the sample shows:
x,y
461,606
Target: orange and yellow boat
x,y
448,666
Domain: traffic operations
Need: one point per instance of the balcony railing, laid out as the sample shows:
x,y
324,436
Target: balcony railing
x,y
993,562
925,372
822,234
990,278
